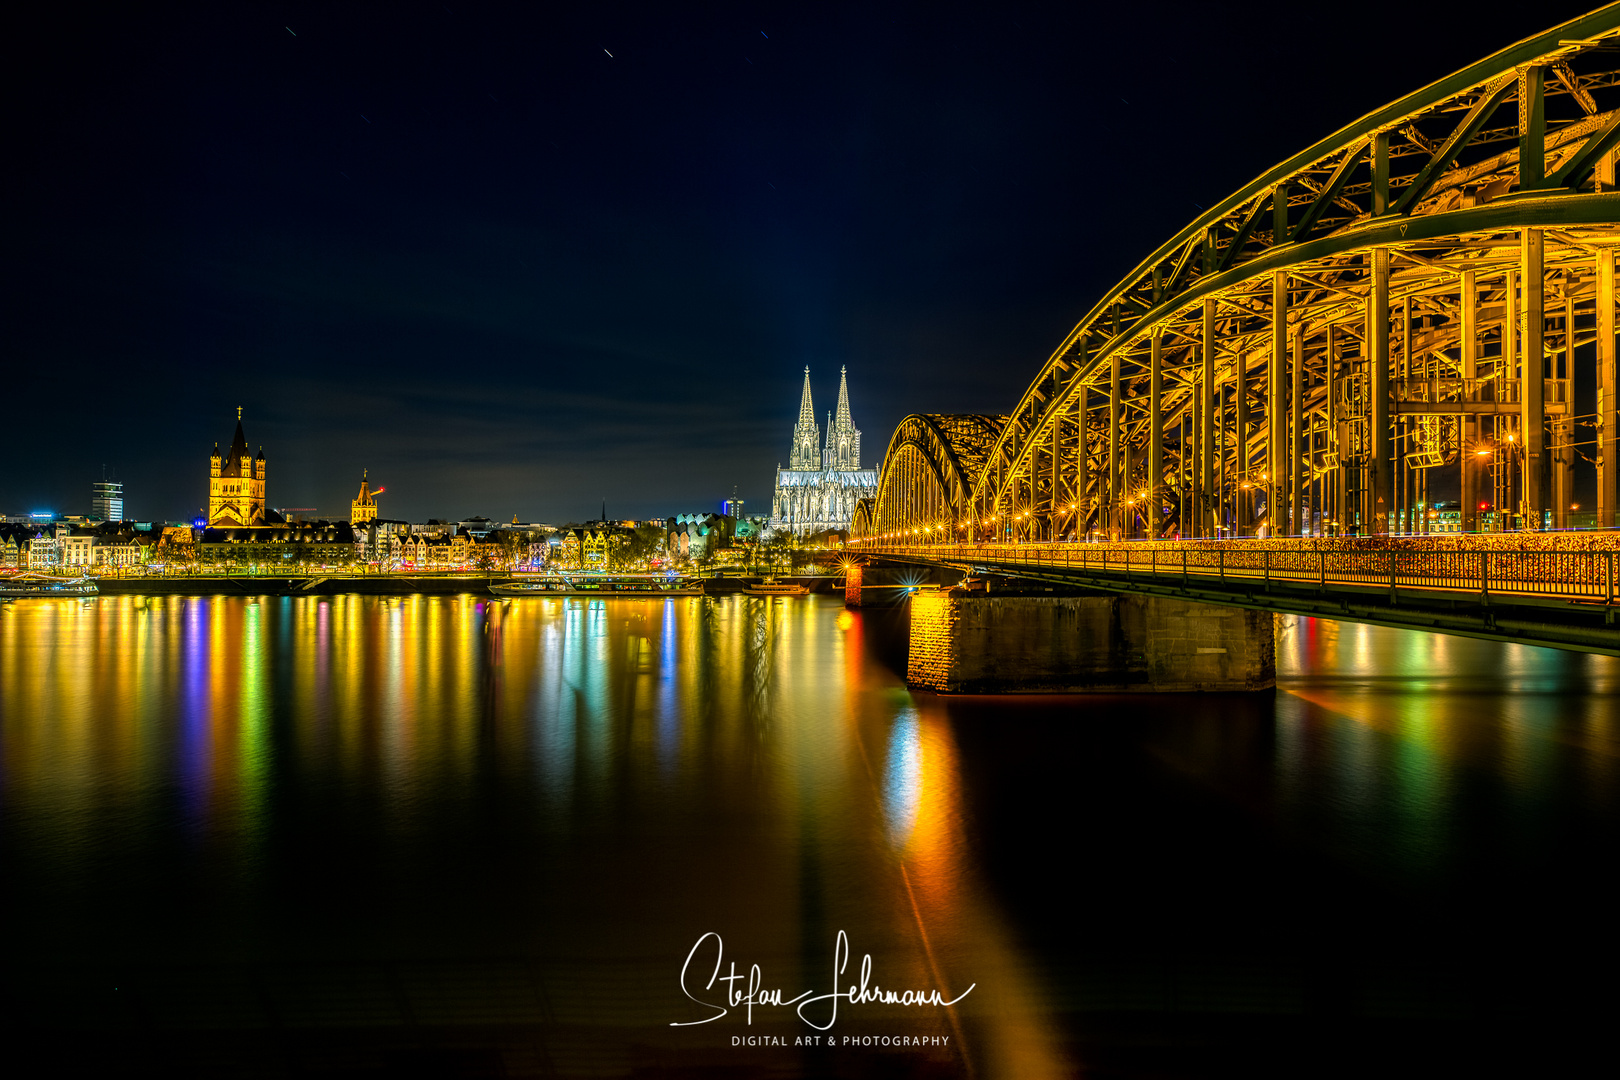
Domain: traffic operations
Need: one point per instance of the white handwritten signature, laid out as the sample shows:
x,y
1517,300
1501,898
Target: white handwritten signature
x,y
755,995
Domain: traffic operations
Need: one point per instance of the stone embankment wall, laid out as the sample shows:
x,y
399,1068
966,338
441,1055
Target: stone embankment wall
x,y
257,585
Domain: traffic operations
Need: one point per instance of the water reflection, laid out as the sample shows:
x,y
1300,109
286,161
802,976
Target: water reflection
x,y
1387,725
603,780
258,788
902,778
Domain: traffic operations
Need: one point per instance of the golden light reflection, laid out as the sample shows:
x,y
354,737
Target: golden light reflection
x,y
748,754
964,937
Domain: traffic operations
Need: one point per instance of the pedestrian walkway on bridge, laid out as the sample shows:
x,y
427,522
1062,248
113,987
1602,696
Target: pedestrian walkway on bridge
x,y
1556,589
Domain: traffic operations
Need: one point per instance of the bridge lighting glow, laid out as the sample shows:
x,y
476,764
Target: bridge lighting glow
x,y
1142,327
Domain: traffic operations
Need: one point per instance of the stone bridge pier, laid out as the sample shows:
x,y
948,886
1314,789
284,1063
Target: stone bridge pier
x,y
883,584
977,642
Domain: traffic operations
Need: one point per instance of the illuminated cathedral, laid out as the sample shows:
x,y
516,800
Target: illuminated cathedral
x,y
236,484
823,480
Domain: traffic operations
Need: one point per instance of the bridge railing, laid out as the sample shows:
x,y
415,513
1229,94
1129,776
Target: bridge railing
x,y
1587,576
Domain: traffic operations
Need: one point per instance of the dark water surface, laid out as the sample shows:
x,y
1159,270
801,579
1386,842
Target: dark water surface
x,y
447,837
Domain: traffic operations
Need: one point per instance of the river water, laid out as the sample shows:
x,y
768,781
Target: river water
x,y
362,836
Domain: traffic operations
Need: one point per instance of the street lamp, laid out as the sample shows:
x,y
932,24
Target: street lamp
x,y
1513,458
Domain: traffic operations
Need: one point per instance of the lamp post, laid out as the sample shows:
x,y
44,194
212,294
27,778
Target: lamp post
x,y
1471,513
1514,453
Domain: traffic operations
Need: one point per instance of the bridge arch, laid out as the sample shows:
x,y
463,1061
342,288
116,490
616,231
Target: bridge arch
x,y
928,473
1393,315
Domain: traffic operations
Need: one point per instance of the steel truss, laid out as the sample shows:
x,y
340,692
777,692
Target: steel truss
x,y
1300,359
928,474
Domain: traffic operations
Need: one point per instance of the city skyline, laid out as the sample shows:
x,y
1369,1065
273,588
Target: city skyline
x,y
109,492
238,455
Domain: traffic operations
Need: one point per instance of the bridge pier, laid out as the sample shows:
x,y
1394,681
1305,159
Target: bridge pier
x,y
1092,643
869,585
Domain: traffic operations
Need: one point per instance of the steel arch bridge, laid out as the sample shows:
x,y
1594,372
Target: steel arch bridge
x,y
1418,300
929,470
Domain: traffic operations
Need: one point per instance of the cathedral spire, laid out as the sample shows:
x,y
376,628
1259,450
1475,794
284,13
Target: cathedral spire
x,y
806,453
239,452
842,436
807,411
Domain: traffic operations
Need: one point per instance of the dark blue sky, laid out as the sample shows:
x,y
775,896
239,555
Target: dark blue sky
x,y
510,273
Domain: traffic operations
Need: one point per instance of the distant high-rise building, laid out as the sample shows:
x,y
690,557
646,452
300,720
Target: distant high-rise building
x,y
107,500
824,479
236,484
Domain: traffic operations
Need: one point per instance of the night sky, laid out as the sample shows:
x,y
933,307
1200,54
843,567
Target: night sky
x,y
519,260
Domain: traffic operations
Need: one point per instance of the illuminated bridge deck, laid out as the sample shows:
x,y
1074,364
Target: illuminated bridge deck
x,y
1562,596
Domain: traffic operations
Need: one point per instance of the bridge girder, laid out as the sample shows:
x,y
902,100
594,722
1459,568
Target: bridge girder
x,y
1352,317
928,473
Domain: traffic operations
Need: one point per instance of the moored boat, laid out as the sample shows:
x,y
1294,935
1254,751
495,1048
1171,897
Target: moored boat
x,y
19,585
640,587
772,587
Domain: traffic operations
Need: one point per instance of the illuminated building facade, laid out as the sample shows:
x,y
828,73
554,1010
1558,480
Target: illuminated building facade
x,y
177,543
695,536
382,541
587,548
436,552
593,549
305,544
119,550
236,484
107,501
824,479
364,506
43,552
76,551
